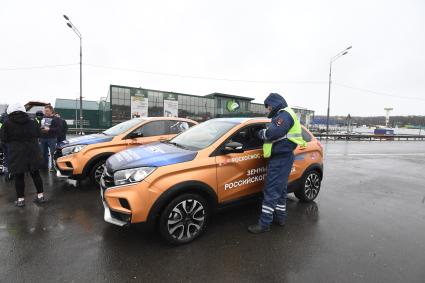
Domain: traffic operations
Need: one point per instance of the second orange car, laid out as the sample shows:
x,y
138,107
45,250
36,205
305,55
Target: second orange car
x,y
85,156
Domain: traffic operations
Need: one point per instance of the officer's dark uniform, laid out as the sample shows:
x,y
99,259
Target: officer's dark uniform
x,y
279,166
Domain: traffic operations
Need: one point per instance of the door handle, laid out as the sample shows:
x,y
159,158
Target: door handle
x,y
133,142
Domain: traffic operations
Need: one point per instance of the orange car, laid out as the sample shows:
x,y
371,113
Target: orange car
x,y
85,156
179,183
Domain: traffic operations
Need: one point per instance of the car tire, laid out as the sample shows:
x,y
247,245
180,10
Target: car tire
x,y
96,172
184,219
309,187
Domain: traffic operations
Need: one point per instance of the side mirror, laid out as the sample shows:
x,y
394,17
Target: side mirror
x,y
134,135
233,147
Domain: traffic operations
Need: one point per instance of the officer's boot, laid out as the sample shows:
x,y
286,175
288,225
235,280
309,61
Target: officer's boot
x,y
258,229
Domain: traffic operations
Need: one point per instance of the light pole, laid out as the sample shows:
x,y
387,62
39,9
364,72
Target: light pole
x,y
77,32
75,118
342,53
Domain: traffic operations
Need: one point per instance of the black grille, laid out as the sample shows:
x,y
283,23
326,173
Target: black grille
x,y
57,154
121,216
124,203
107,180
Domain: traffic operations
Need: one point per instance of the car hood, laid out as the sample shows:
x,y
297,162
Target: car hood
x,y
89,139
151,155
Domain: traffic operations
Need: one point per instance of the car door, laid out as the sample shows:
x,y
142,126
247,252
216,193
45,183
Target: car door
x,y
241,174
149,132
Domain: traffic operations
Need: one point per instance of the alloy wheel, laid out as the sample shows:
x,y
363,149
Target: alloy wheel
x,y
186,220
312,185
98,172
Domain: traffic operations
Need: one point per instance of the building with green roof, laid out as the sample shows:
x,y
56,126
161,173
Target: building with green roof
x,y
123,103
69,111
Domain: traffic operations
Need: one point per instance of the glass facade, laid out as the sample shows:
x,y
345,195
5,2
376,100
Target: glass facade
x,y
120,104
196,108
116,107
156,103
258,109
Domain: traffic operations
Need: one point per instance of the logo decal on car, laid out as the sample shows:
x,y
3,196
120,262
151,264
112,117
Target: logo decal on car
x,y
156,149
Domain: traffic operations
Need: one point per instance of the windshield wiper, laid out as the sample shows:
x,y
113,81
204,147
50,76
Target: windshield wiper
x,y
176,144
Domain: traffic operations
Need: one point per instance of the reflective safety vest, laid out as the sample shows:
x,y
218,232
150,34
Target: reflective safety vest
x,y
294,134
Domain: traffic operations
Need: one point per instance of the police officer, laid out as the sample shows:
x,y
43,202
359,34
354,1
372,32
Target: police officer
x,y
39,116
280,139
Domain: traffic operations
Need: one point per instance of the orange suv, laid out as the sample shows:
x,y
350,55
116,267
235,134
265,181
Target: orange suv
x,y
85,156
177,184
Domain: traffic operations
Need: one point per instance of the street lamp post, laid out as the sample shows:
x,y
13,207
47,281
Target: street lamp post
x,y
75,118
77,32
342,53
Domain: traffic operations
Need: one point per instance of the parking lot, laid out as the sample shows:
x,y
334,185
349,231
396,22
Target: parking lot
x,y
367,225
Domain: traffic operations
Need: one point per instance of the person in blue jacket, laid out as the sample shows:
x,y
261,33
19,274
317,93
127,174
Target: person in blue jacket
x,y
279,166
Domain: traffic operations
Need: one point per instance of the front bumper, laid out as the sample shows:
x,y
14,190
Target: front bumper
x,y
108,215
68,166
67,173
116,217
126,204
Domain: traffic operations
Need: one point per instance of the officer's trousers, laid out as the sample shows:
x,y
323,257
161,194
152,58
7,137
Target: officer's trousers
x,y
275,191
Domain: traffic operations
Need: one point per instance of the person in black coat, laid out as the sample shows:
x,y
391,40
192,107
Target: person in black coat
x,y
64,129
21,134
50,131
3,146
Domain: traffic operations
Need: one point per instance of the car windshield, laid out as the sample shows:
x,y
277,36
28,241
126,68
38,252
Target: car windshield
x,y
123,127
204,134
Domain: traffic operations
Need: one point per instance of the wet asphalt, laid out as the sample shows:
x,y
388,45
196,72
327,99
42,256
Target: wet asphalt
x,y
367,225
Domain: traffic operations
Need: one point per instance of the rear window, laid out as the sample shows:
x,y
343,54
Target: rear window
x,y
306,136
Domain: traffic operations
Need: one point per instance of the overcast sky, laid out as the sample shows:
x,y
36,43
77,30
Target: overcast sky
x,y
280,46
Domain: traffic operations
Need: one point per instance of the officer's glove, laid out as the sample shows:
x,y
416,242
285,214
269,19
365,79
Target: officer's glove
x,y
262,134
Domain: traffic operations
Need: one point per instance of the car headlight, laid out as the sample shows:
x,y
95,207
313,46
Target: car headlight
x,y
72,149
133,175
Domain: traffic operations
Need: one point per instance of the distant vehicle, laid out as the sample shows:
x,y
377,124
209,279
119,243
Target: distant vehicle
x,y
81,157
384,133
178,184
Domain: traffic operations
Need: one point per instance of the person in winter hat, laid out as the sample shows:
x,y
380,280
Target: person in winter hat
x,y
3,147
21,134
280,140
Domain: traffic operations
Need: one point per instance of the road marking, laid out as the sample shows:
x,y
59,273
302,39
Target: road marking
x,y
376,154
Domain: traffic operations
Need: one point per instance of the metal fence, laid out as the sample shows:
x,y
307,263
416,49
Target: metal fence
x,y
76,131
362,137
335,137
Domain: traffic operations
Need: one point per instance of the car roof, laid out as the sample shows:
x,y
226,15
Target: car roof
x,y
241,120
166,118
